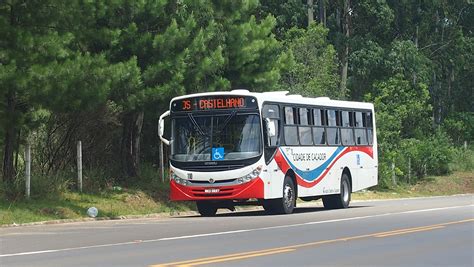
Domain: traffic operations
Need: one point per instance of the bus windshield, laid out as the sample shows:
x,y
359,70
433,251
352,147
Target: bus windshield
x,y
230,136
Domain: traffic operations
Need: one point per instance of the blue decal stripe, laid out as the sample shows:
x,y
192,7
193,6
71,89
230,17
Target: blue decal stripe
x,y
313,174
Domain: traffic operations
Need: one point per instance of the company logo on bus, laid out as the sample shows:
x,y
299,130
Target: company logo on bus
x,y
214,103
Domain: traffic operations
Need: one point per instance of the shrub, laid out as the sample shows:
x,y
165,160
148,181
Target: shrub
x,y
417,158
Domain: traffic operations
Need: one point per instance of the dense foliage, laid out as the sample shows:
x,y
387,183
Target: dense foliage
x,y
102,72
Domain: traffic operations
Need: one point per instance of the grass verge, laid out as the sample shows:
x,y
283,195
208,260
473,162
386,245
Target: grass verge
x,y
459,182
116,202
72,205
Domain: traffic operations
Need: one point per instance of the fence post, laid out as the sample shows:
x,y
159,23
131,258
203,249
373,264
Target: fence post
x,y
394,179
28,169
162,164
465,145
409,170
79,166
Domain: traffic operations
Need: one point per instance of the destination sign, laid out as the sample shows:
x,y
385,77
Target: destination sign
x,y
214,103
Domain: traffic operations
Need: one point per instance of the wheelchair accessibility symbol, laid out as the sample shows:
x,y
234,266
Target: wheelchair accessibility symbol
x,y
218,153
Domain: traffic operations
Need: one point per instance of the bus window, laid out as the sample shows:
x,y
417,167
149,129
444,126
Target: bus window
x,y
290,116
361,137
332,118
318,115
347,133
368,121
319,136
319,133
271,116
345,119
359,120
304,118
360,131
290,130
332,131
304,130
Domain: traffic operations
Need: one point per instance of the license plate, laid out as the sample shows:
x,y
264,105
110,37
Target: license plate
x,y
212,190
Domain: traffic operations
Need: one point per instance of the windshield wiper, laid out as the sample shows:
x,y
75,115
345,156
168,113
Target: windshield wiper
x,y
196,125
227,120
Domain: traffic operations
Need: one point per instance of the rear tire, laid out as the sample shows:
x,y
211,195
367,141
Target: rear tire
x,y
284,205
341,200
206,208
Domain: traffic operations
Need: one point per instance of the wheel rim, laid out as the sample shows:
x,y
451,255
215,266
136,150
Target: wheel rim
x,y
288,195
345,192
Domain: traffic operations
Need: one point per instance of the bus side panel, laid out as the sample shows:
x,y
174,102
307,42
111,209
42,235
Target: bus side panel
x,y
318,170
272,177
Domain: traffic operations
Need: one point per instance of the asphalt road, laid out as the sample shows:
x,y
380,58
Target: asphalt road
x,y
412,232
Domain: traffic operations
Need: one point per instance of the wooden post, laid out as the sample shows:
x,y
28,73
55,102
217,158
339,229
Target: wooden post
x,y
79,166
394,178
28,169
465,145
162,164
409,170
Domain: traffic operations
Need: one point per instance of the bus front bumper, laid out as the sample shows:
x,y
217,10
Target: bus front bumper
x,y
252,189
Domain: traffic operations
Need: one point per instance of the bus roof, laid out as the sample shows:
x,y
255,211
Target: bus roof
x,y
285,97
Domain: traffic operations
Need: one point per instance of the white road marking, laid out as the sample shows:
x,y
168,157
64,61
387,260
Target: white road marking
x,y
230,232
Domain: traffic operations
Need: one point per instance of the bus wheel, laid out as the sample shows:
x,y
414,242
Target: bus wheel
x,y
206,208
286,204
341,200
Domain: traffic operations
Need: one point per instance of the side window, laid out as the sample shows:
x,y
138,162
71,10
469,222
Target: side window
x,y
304,130
319,132
271,116
359,120
332,130
289,116
370,129
319,117
332,117
346,119
360,131
347,132
290,130
304,118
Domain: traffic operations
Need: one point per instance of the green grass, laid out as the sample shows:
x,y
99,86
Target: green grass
x,y
72,205
459,182
152,198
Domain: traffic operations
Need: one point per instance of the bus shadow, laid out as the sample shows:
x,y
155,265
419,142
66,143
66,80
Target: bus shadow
x,y
254,213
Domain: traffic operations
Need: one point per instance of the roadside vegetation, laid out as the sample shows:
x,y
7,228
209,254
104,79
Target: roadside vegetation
x,y
149,196
101,73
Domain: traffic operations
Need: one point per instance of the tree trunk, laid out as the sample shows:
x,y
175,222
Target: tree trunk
x,y
9,143
345,52
130,147
310,12
322,12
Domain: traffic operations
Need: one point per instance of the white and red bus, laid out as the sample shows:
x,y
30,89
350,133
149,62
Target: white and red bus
x,y
238,147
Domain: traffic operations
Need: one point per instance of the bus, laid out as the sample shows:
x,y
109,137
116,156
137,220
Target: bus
x,y
245,148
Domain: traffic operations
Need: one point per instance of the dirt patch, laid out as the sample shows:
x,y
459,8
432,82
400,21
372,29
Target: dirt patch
x,y
60,212
456,183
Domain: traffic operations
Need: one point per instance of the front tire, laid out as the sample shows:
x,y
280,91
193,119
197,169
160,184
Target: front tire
x,y
206,208
341,200
287,203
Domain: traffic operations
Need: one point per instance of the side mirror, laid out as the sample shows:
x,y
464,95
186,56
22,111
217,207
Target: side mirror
x,y
271,129
161,127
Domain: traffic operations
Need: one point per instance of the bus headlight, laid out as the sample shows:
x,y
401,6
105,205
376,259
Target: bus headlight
x,y
178,179
249,177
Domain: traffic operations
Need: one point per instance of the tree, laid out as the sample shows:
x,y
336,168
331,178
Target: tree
x,y
172,48
315,70
39,70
